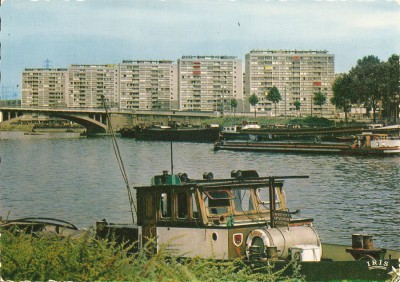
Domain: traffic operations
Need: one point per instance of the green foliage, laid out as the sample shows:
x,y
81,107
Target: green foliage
x,y
45,257
253,100
313,122
16,127
85,258
297,105
391,97
270,121
343,94
369,81
319,99
274,96
234,103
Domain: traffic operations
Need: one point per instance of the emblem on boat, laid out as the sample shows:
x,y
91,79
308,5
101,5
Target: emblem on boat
x,y
238,239
395,273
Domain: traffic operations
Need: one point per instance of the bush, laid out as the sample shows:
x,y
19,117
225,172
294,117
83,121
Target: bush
x,y
48,257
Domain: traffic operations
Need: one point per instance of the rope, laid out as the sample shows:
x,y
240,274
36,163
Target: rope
x,y
119,160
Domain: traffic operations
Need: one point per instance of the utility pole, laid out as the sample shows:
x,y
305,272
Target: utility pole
x,y
47,64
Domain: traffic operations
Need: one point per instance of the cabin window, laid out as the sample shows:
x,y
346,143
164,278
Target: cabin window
x,y
182,205
243,201
165,205
217,202
195,211
263,198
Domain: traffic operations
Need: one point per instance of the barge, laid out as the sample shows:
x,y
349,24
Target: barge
x,y
366,143
245,217
173,133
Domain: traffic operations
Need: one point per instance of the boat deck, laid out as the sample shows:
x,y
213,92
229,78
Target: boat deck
x,y
295,147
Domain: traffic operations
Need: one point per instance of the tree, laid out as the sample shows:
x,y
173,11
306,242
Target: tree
x,y
368,78
253,100
343,94
319,99
234,105
274,96
297,105
392,95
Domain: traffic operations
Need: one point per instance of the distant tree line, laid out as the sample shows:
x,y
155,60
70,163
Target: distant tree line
x,y
372,83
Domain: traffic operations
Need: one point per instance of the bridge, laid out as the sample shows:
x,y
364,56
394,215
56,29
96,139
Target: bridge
x,y
95,120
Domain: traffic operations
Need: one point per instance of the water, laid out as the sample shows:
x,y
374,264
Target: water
x,y
78,179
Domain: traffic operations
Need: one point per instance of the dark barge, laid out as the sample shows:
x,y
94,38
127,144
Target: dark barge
x,y
173,133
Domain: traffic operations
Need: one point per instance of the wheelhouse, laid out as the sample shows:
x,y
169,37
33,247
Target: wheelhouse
x,y
176,200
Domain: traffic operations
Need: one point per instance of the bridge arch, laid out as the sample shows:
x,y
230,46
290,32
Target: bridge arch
x,y
93,122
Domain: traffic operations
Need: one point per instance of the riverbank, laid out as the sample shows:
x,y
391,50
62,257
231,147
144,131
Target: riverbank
x,y
17,127
34,128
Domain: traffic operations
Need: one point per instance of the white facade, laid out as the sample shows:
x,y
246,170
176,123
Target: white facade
x,y
194,83
44,87
87,83
208,83
296,74
148,85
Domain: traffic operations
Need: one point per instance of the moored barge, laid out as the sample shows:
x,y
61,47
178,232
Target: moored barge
x,y
364,144
208,134
244,217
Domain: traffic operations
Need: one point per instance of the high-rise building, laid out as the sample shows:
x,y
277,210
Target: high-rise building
x,y
42,87
296,74
87,84
208,83
195,83
148,85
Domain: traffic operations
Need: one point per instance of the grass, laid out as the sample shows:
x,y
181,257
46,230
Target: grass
x,y
44,257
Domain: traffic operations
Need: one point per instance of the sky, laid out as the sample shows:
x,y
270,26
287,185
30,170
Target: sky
x,y
69,32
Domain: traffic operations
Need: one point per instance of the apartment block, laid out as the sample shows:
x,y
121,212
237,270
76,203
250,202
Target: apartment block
x,y
148,85
208,83
297,75
44,87
87,84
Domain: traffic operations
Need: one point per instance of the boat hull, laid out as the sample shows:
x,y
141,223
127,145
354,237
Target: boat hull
x,y
320,148
202,135
345,270
336,263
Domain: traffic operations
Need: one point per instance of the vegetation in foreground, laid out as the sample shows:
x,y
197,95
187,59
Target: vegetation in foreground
x,y
44,257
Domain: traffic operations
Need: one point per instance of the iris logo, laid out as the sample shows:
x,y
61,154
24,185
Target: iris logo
x,y
378,264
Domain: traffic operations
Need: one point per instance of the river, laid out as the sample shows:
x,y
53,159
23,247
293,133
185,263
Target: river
x,y
62,176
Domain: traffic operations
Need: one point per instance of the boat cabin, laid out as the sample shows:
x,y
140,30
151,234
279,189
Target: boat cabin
x,y
376,140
